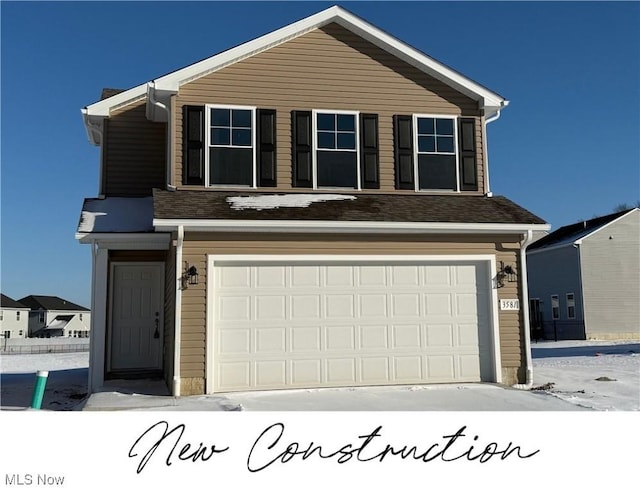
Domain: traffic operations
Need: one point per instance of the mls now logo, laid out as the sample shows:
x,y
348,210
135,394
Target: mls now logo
x,y
29,479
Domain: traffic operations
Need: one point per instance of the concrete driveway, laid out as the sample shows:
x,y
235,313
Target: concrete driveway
x,y
458,397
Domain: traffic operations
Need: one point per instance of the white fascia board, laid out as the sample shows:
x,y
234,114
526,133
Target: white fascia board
x,y
103,108
552,248
604,226
127,241
268,226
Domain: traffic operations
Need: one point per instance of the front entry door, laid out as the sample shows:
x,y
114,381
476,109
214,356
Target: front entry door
x,y
137,303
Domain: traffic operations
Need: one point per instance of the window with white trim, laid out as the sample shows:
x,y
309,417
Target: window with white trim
x,y
571,305
436,152
18,316
231,156
1,314
336,149
555,307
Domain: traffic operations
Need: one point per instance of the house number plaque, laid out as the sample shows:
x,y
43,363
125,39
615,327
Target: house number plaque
x,y
509,304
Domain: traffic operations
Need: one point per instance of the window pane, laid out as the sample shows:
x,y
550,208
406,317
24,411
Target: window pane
x,y
326,140
326,121
436,172
241,137
426,144
220,117
445,144
425,126
337,169
220,136
229,166
241,118
347,122
346,140
444,126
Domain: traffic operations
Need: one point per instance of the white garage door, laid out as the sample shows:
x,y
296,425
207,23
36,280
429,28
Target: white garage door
x,y
332,324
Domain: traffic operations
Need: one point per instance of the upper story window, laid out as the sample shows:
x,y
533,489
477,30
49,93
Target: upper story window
x,y
80,317
231,150
41,317
1,315
336,150
17,316
436,153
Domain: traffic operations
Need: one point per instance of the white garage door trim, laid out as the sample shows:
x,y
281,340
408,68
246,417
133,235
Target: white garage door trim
x,y
221,260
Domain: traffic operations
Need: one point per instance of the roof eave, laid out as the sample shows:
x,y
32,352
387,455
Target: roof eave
x,y
301,226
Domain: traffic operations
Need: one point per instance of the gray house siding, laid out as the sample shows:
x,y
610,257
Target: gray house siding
x,y
610,260
557,272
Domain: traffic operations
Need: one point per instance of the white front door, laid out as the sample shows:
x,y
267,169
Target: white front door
x,y
136,336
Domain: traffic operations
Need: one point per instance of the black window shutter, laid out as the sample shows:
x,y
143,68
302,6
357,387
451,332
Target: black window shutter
x,y
193,145
369,155
301,149
266,151
467,155
403,152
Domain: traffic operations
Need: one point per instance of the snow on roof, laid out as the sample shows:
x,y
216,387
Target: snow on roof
x,y
116,215
262,202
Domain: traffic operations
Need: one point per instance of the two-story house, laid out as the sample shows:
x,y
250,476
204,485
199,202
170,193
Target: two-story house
x,y
308,209
52,316
14,318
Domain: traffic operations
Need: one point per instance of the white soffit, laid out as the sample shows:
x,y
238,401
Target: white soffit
x,y
171,82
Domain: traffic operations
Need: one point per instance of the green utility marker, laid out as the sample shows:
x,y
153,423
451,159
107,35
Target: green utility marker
x,y
38,391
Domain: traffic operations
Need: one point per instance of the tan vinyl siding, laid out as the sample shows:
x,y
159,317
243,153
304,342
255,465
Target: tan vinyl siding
x,y
330,69
197,246
134,153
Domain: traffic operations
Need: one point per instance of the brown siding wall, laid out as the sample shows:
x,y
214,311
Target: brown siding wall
x,y
198,245
333,69
134,153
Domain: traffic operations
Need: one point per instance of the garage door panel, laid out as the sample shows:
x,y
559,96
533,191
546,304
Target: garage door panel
x,y
296,326
305,373
340,338
305,339
406,337
374,337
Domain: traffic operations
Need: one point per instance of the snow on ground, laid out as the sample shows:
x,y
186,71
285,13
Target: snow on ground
x,y
604,376
570,375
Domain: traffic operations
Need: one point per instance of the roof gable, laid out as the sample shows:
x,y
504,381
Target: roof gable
x,y
161,87
54,303
573,234
6,302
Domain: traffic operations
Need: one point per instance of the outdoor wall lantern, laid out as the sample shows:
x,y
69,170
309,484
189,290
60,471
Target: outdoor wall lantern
x,y
506,273
190,276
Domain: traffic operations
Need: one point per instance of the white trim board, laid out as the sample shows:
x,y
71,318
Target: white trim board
x,y
297,226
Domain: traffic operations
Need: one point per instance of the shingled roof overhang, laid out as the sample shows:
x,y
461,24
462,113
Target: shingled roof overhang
x,y
162,87
366,213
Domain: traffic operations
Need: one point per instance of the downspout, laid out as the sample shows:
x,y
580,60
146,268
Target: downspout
x,y
151,92
526,241
92,340
488,191
178,313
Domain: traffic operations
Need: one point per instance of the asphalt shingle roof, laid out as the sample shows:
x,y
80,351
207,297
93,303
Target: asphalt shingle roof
x,y
573,232
38,302
187,204
6,302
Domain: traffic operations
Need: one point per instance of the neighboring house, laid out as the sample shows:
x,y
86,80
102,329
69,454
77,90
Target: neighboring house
x,y
14,318
51,316
584,279
308,209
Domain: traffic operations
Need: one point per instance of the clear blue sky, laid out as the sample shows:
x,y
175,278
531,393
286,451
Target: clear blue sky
x,y
567,148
